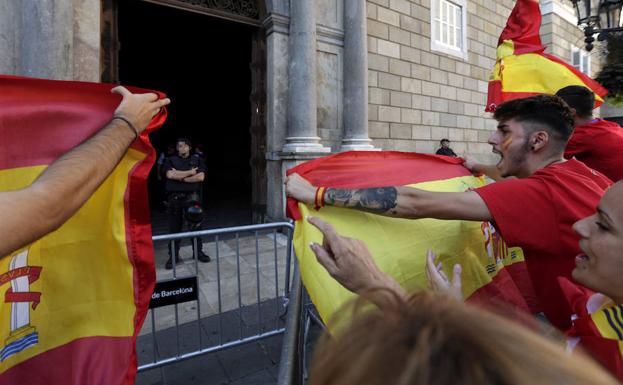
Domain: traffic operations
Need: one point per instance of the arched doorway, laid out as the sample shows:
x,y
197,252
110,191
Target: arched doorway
x,y
209,57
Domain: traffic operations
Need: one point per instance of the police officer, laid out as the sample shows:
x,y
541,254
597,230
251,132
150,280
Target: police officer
x,y
185,174
445,148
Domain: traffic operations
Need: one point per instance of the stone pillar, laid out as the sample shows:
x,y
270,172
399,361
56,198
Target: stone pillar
x,y
53,39
355,77
276,110
10,25
302,134
86,43
46,44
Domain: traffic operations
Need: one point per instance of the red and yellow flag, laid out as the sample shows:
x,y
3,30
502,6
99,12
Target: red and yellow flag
x,y
74,300
597,326
399,245
522,67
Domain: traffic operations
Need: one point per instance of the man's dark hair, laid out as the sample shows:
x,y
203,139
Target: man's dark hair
x,y
183,140
540,113
579,98
444,140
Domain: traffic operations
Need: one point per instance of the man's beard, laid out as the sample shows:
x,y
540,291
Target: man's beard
x,y
517,159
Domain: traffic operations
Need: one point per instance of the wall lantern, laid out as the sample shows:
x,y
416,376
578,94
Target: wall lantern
x,y
601,17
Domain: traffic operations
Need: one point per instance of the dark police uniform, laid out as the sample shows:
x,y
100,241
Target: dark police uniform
x,y
179,194
445,151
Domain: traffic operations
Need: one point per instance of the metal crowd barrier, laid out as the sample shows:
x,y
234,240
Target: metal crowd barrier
x,y
293,365
233,280
291,361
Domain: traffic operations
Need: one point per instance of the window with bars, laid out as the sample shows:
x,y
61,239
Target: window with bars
x,y
581,60
448,27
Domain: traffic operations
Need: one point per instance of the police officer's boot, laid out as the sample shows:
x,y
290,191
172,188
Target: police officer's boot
x,y
169,264
203,257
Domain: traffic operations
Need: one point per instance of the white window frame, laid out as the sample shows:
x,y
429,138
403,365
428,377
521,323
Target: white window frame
x,y
584,65
436,43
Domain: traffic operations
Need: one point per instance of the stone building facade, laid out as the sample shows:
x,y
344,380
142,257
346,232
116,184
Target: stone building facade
x,y
339,75
419,95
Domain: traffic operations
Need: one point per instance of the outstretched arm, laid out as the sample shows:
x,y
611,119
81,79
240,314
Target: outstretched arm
x,y
396,201
32,212
350,263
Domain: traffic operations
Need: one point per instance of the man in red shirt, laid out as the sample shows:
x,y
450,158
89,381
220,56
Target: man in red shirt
x,y
534,212
596,142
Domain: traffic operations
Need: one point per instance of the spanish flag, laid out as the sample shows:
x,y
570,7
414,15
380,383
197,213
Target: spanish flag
x,y
73,301
399,245
522,67
597,326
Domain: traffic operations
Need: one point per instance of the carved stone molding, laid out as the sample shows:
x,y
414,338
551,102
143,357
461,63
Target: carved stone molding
x,y
246,8
245,11
276,23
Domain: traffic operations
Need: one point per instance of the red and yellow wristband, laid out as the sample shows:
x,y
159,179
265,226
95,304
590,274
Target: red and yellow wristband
x,y
319,198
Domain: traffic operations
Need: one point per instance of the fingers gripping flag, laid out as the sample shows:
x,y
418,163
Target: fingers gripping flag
x,y
522,67
73,301
399,245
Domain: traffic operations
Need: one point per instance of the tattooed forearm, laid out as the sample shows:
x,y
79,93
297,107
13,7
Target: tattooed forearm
x,y
377,200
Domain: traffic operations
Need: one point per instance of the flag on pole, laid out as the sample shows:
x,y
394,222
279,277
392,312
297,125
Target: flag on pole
x,y
74,301
522,67
399,245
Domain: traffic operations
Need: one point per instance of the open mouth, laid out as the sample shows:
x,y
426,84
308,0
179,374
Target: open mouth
x,y
581,259
500,154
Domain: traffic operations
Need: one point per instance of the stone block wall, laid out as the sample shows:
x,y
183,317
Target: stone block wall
x,y
560,33
418,96
553,31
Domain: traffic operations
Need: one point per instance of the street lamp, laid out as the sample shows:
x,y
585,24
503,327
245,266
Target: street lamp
x,y
602,17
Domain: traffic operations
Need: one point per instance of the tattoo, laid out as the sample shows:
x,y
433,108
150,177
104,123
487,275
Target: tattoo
x,y
375,200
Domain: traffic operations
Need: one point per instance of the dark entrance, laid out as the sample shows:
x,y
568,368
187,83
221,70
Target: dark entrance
x,y
209,67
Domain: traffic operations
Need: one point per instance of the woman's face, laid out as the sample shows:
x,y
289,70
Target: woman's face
x,y
600,267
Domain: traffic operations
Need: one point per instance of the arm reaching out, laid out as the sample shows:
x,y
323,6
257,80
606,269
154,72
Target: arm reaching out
x,y
349,261
396,201
32,212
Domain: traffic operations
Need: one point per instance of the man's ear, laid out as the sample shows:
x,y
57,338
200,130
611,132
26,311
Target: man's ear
x,y
539,140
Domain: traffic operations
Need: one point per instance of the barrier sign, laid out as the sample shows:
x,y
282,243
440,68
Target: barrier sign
x,y
174,291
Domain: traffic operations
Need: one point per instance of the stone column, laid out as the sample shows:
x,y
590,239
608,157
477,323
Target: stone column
x,y
10,25
54,39
46,46
355,77
302,134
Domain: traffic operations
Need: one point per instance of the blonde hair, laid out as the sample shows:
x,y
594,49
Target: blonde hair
x,y
430,338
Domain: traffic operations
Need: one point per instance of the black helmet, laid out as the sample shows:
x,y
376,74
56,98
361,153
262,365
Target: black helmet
x,y
194,213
